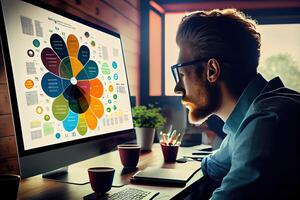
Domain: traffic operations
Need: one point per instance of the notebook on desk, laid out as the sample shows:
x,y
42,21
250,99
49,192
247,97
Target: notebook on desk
x,y
163,176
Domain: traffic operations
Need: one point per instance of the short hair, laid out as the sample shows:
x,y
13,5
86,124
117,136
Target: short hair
x,y
227,35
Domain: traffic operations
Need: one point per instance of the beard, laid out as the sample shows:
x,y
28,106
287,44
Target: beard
x,y
208,101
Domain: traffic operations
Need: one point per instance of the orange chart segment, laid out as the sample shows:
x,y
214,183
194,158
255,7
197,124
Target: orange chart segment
x,y
97,107
90,119
76,66
96,88
72,45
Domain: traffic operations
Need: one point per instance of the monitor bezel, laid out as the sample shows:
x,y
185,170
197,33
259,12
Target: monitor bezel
x,y
12,92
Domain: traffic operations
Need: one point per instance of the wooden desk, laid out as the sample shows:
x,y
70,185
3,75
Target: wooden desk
x,y
38,188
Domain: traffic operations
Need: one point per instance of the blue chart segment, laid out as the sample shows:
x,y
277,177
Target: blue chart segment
x,y
59,46
71,121
52,85
84,54
90,71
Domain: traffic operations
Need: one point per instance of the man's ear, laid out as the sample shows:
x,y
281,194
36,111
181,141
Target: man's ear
x,y
213,70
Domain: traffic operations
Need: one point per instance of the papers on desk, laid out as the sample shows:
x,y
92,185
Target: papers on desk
x,y
195,157
163,176
200,152
203,147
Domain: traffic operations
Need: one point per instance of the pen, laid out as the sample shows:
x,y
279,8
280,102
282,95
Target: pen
x,y
160,137
164,138
172,137
177,138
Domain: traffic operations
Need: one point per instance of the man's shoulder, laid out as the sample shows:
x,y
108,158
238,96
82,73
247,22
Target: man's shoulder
x,y
279,100
280,106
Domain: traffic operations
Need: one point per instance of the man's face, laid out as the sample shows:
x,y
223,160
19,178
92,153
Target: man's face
x,y
201,97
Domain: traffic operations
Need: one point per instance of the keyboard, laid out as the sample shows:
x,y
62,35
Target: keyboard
x,y
127,193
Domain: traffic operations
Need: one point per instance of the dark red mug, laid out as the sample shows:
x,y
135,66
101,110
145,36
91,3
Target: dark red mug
x,y
9,185
129,155
169,152
101,179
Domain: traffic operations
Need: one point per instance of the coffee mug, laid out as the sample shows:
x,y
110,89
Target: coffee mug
x,y
129,154
9,184
101,179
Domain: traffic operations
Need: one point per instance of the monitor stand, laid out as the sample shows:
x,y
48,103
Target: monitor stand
x,y
73,175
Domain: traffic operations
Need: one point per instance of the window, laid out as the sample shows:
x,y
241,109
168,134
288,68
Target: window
x,y
171,49
155,54
280,53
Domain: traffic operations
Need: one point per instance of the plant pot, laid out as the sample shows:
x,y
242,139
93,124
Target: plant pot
x,y
145,137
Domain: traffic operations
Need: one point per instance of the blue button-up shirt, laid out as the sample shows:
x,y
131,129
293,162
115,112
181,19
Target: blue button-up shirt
x,y
259,158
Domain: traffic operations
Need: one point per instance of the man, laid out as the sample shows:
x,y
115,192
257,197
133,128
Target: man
x,y
217,74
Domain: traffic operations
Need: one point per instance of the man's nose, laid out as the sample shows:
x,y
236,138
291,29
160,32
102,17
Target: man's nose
x,y
179,89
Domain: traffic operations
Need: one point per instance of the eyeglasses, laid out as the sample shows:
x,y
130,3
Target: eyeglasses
x,y
174,68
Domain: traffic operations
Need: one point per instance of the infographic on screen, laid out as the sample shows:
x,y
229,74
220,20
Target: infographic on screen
x,y
70,79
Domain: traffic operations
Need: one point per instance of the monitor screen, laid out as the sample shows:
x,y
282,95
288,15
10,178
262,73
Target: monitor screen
x,y
70,78
67,78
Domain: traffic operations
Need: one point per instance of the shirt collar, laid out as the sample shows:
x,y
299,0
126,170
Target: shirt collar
x,y
250,93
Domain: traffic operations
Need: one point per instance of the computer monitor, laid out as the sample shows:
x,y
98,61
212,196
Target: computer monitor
x,y
68,86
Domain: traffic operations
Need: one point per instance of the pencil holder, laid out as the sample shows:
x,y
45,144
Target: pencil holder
x,y
169,152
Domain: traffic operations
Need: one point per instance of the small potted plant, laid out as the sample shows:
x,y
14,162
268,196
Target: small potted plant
x,y
145,120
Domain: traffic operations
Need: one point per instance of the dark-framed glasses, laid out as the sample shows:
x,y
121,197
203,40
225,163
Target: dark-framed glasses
x,y
175,67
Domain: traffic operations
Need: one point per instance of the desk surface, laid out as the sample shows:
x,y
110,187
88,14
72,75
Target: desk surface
x,y
38,188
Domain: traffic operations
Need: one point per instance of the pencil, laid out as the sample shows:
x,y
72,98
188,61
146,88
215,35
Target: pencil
x,y
177,139
164,136
173,137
